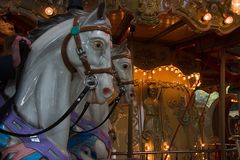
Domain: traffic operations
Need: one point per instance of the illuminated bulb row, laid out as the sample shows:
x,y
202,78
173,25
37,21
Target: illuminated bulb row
x,y
167,68
196,75
172,69
234,100
227,20
196,85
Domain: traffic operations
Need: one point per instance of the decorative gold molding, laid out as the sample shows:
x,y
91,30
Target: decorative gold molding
x,y
148,12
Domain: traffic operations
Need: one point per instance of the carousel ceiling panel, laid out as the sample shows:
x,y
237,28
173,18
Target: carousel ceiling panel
x,y
179,34
146,31
151,55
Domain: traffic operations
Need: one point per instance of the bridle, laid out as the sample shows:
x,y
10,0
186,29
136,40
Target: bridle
x,y
113,103
118,79
89,72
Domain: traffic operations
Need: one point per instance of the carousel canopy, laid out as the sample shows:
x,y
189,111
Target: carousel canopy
x,y
186,34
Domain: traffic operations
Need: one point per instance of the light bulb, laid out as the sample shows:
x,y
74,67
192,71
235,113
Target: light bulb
x,y
49,11
228,20
207,17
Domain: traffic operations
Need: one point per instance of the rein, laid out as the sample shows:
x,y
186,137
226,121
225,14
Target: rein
x,y
67,113
113,102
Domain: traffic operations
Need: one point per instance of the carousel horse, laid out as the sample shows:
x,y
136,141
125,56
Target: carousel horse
x,y
97,143
44,91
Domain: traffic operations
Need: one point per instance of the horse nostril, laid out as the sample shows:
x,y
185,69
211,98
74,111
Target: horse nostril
x,y
107,92
132,95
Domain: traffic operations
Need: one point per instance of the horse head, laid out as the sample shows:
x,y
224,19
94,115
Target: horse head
x,y
122,62
89,51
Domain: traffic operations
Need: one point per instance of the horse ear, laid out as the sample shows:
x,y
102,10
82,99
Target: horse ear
x,y
97,14
101,10
123,46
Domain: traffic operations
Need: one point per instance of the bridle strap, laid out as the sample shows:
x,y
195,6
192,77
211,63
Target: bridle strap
x,y
127,82
64,54
100,71
85,63
119,56
89,71
82,54
116,76
118,79
92,28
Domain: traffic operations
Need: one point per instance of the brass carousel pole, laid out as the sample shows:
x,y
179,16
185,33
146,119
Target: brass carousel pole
x,y
130,116
140,106
222,105
130,125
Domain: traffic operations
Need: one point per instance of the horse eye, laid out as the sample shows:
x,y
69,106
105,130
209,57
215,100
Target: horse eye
x,y
125,66
98,44
87,151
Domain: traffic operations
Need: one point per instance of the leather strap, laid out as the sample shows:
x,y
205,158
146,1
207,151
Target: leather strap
x,y
127,82
119,56
82,54
100,71
92,28
64,54
118,79
85,63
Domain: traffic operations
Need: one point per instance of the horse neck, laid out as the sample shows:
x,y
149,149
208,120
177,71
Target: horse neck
x,y
97,113
33,74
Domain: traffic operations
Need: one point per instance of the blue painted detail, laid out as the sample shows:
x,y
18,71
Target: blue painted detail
x,y
75,30
80,142
4,139
33,156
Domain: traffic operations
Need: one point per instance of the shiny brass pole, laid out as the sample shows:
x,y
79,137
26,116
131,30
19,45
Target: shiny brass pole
x,y
222,104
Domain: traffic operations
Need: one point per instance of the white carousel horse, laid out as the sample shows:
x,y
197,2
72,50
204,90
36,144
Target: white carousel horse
x,y
97,143
44,92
